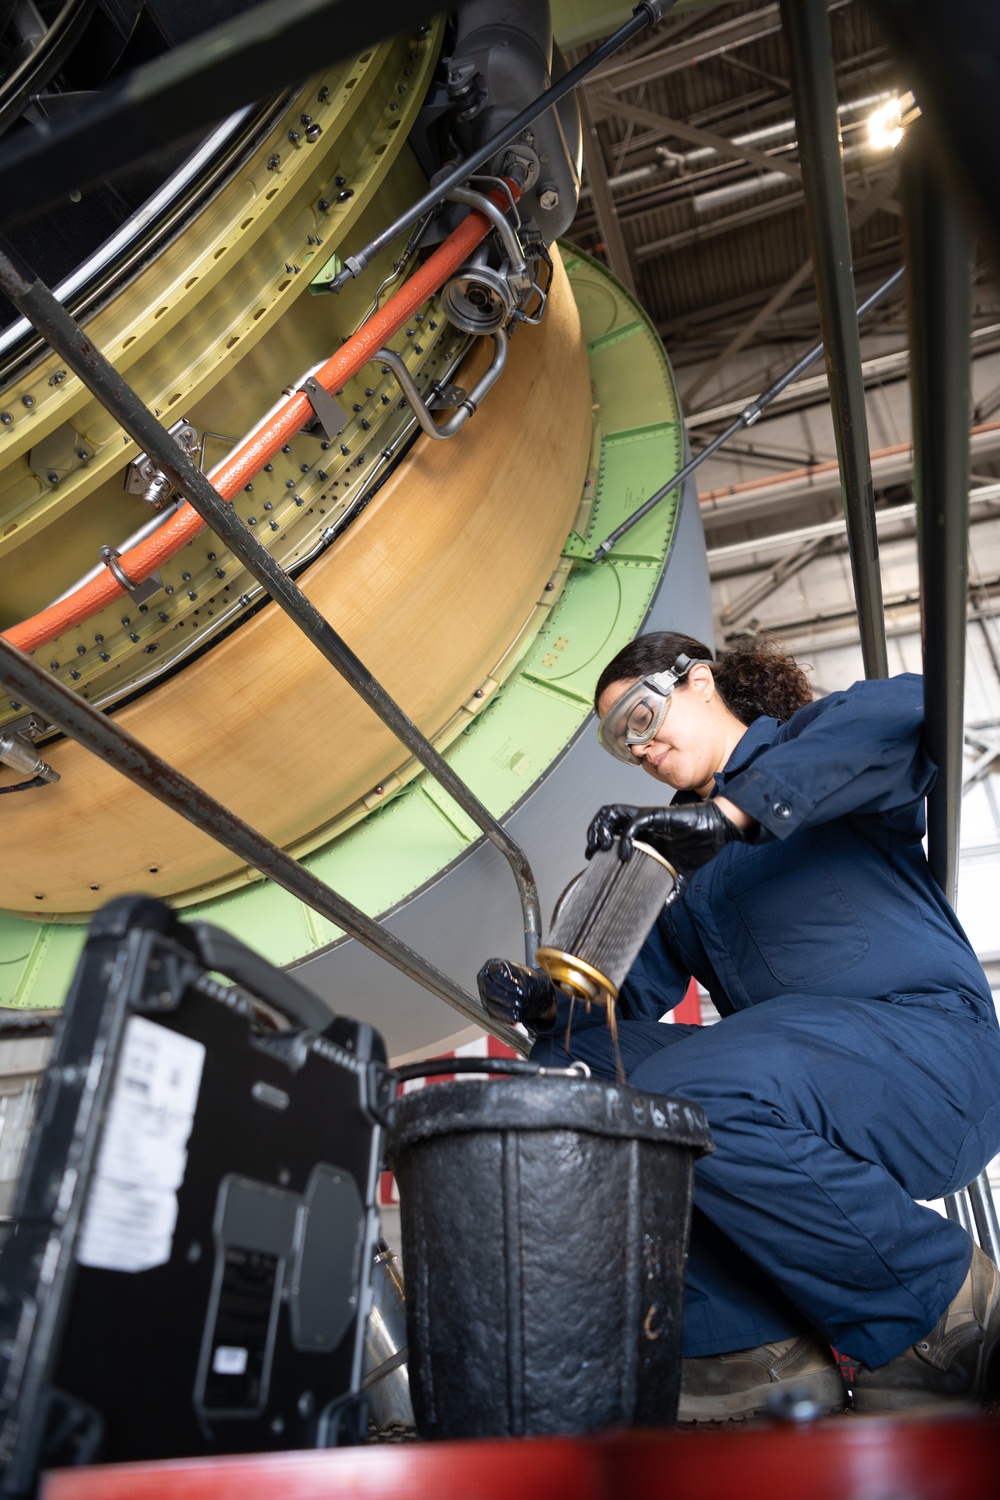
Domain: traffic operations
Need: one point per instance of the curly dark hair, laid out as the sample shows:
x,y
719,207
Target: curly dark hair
x,y
755,676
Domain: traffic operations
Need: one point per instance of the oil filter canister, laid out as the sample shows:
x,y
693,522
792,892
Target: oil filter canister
x,y
602,920
544,1225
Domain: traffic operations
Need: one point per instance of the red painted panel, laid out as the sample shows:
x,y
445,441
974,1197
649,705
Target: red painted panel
x,y
953,1457
689,1009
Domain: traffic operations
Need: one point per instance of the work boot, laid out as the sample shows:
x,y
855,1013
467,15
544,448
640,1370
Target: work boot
x,y
953,1362
730,1387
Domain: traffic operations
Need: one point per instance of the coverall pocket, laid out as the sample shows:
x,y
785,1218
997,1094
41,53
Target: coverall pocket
x,y
795,912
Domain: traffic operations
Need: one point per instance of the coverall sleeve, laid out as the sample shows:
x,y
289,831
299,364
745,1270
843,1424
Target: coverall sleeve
x,y
859,751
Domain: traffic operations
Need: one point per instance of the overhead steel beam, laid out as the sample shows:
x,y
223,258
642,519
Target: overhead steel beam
x,y
699,233
939,299
897,522
605,102
774,576
814,96
784,494
739,340
750,414
735,33
874,199
884,367
608,222
715,42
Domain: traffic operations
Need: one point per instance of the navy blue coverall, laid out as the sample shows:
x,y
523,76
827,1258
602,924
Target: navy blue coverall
x,y
857,1064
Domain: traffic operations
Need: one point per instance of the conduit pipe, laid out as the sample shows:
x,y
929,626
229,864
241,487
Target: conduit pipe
x,y
264,441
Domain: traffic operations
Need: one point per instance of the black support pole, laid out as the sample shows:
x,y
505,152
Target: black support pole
x,y
939,259
939,304
116,747
34,299
806,28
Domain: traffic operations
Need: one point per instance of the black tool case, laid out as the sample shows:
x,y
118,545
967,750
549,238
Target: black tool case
x,y
188,1271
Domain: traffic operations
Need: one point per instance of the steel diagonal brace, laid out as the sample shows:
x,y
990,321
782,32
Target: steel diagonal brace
x,y
54,323
106,738
747,417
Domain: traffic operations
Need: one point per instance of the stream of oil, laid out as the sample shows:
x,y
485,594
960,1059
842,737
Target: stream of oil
x,y
612,1016
613,1028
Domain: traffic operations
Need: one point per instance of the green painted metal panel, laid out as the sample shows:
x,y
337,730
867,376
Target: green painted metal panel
x,y
36,963
532,717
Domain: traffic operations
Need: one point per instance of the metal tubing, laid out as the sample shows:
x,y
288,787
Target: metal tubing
x,y
466,407
814,96
52,320
646,13
939,298
501,223
746,418
24,679
985,1216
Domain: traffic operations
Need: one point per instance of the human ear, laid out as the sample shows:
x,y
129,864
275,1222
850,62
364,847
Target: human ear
x,y
701,681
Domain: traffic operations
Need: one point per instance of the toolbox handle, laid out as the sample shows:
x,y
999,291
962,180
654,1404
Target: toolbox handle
x,y
225,954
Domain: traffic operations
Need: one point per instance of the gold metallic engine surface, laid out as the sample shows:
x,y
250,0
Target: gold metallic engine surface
x,y
431,585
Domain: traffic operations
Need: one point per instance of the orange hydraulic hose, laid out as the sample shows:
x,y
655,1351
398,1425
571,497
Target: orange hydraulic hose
x,y
147,556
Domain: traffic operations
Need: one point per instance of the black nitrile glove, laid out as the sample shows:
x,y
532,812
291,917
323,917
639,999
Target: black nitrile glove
x,y
513,993
689,835
607,823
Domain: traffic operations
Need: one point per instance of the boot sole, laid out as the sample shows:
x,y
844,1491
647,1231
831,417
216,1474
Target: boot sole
x,y
825,1388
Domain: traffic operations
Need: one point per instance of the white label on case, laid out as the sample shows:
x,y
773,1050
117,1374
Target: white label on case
x,y
228,1360
132,1208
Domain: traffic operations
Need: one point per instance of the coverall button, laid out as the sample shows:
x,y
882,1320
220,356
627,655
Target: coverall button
x,y
782,810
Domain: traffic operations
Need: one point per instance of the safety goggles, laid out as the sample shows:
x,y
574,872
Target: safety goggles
x,y
638,714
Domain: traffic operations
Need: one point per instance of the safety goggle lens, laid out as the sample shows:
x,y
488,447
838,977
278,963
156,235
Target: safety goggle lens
x,y
643,718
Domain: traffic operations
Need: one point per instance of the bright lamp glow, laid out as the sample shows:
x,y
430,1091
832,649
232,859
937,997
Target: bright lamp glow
x,y
885,125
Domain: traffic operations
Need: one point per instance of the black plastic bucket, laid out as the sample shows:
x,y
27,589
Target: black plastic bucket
x,y
544,1225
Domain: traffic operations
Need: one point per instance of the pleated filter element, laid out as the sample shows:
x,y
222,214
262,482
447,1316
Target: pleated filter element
x,y
603,918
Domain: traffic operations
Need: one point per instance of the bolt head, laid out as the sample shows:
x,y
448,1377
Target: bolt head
x,y
548,198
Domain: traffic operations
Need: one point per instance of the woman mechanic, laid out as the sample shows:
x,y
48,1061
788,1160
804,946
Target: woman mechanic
x,y
857,1064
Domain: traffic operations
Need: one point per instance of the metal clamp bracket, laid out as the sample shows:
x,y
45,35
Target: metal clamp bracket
x,y
332,418
137,592
518,274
